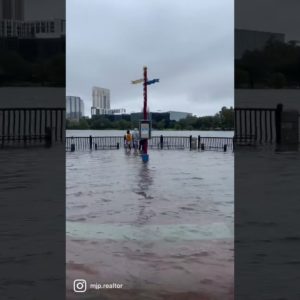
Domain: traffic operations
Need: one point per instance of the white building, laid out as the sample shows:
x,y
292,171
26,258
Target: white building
x,y
74,108
32,29
117,111
101,101
178,115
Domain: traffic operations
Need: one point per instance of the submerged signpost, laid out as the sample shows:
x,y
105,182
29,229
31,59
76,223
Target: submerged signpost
x,y
145,128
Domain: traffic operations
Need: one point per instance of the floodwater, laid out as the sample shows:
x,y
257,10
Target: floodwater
x,y
32,222
267,210
162,229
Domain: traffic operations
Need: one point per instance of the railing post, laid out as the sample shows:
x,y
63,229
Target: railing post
x,y
191,142
225,148
48,136
91,142
72,147
199,141
118,145
202,146
95,146
278,117
161,142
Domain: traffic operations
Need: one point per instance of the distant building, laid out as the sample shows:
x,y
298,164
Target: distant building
x,y
74,108
11,28
158,116
101,103
99,111
12,24
40,29
117,111
253,40
178,115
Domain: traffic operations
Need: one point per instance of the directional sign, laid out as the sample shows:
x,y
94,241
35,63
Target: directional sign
x,y
137,81
152,81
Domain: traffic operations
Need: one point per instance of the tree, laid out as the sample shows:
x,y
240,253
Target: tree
x,y
83,124
277,80
161,124
226,117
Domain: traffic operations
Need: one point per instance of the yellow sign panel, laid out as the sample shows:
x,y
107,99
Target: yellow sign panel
x,y
137,81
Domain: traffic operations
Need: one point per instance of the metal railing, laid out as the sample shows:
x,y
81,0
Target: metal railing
x,y
156,142
31,125
260,125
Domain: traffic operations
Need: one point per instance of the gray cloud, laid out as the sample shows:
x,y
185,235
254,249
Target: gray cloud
x,y
188,45
269,15
44,9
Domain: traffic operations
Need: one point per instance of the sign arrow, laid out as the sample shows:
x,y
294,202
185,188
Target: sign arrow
x,y
137,81
152,81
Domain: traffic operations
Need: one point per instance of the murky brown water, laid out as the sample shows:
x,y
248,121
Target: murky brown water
x,y
163,229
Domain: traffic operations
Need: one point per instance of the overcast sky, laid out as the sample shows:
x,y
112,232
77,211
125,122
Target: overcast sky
x,y
269,15
44,9
187,44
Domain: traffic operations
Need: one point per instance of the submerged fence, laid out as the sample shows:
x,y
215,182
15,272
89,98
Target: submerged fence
x,y
156,142
31,125
257,125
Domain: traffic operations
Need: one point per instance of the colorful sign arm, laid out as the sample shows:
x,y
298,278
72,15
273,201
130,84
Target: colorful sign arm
x,y
152,81
137,81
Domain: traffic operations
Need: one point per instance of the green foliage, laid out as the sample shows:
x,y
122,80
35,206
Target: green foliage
x,y
16,70
14,67
222,120
275,66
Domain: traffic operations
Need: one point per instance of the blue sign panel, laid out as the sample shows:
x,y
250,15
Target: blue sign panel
x,y
152,81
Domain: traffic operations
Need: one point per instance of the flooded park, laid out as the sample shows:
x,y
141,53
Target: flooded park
x,y
162,230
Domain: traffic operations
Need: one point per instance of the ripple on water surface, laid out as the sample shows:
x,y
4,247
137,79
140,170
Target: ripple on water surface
x,y
166,225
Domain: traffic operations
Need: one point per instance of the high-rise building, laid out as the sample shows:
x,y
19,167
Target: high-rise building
x,y
74,108
101,103
101,100
12,10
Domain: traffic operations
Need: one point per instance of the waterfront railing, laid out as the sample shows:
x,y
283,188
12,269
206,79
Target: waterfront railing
x,y
156,142
31,125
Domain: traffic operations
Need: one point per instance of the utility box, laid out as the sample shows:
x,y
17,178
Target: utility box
x,y
290,127
145,129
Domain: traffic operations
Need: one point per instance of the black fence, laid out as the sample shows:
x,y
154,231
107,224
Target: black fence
x,y
169,142
215,143
31,125
257,125
94,143
156,142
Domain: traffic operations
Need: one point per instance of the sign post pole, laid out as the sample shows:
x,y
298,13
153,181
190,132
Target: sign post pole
x,y
145,144
143,123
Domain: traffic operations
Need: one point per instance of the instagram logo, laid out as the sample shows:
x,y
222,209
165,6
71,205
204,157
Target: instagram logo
x,y
79,285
